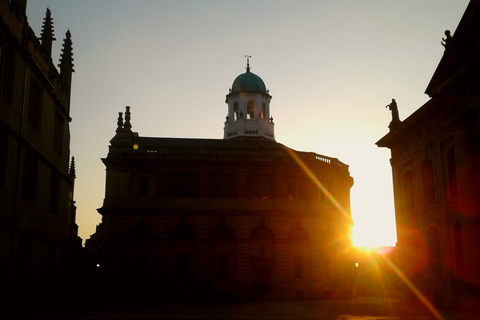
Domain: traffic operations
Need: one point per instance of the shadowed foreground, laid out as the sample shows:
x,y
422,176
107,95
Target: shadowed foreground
x,y
361,308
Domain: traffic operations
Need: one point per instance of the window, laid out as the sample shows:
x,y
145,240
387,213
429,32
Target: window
x,y
434,268
184,185
452,174
7,71
428,186
34,113
54,192
235,111
58,133
260,186
143,187
290,187
250,109
222,264
182,266
30,171
222,186
408,193
298,267
264,111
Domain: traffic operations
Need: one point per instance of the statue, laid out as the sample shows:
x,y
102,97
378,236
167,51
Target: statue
x,y
393,107
446,40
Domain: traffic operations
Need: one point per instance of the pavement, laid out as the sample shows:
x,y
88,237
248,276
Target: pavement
x,y
363,308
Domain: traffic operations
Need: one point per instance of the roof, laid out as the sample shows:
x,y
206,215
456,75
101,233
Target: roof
x,y
248,81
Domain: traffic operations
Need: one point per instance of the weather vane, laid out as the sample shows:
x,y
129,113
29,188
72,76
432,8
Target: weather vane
x,y
248,62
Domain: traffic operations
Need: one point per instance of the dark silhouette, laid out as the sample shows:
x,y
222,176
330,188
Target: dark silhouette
x,y
393,107
446,40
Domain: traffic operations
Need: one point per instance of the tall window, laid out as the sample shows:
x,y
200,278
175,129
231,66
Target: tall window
x,y
7,71
58,133
452,174
222,265
264,111
143,187
428,185
34,113
408,193
250,109
260,186
222,186
30,171
236,111
434,267
183,185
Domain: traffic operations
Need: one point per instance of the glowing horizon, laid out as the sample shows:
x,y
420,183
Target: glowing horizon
x,y
331,67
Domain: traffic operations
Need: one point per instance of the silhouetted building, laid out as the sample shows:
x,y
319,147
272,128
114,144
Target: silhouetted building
x,y
37,211
240,217
436,174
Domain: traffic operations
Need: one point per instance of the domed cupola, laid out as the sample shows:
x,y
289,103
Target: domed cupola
x,y
248,108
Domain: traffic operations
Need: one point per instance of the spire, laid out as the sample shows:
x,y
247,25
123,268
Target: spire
x,y
127,126
248,62
47,35
66,60
72,172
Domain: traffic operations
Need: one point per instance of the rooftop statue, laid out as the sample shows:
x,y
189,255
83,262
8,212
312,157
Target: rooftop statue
x,y
393,107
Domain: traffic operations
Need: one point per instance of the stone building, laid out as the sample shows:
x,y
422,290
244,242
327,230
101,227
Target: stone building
x,y
242,216
435,157
37,211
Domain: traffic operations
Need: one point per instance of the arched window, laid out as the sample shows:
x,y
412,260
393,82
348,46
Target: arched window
x,y
264,111
428,185
434,267
181,251
250,109
408,193
236,111
452,174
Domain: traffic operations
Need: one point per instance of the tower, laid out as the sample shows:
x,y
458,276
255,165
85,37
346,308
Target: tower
x,y
248,108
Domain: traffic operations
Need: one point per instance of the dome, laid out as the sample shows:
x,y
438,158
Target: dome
x,y
248,82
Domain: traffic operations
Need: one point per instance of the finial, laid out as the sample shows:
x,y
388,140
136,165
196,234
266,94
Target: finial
x,y
47,35
127,126
120,122
66,58
72,168
248,62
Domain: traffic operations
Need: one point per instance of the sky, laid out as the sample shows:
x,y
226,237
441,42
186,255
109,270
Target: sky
x,y
331,68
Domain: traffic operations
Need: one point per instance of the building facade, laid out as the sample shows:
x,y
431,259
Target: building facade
x,y
37,211
242,216
435,156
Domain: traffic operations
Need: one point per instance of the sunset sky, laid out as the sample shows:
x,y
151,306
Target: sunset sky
x,y
331,68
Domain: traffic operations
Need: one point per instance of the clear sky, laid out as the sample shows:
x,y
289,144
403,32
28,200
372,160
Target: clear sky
x,y
331,68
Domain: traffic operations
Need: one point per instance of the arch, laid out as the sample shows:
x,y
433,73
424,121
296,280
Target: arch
x,y
236,111
181,253
250,110
222,256
262,260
